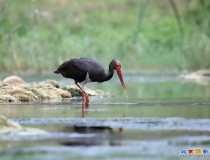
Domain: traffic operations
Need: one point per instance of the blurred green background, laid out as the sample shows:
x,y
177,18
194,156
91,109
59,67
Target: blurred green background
x,y
38,35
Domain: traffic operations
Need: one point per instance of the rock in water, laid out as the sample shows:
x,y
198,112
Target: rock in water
x,y
44,90
14,89
54,83
10,127
18,92
8,98
200,77
4,122
76,92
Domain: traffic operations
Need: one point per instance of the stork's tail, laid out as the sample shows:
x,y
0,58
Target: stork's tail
x,y
57,72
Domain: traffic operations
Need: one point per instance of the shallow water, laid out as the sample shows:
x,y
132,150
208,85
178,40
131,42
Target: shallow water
x,y
163,116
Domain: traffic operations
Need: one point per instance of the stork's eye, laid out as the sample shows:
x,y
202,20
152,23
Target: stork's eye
x,y
118,65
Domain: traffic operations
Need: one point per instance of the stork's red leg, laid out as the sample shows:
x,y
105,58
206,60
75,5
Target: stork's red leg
x,y
84,96
87,98
83,92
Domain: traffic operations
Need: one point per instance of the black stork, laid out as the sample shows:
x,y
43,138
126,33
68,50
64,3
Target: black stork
x,y
85,70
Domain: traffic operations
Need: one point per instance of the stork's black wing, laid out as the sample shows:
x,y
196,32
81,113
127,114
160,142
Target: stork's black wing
x,y
95,70
70,69
78,68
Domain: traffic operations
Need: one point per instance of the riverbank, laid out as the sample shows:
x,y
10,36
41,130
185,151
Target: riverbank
x,y
37,36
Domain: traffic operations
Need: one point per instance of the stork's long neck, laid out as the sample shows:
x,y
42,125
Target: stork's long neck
x,y
109,74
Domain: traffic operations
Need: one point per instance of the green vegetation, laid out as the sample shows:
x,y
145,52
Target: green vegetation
x,y
37,35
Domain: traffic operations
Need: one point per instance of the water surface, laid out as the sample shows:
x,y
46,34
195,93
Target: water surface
x,y
163,116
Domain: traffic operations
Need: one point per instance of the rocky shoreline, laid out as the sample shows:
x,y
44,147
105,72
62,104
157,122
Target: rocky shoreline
x,y
14,89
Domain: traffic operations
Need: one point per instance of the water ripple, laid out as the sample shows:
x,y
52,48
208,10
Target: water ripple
x,y
170,123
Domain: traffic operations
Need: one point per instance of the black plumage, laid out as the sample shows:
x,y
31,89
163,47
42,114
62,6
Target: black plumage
x,y
81,68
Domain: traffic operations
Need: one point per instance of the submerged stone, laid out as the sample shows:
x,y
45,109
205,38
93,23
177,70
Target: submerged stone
x,y
10,127
4,122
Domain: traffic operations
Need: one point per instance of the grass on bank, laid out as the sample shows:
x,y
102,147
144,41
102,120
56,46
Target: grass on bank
x,y
38,35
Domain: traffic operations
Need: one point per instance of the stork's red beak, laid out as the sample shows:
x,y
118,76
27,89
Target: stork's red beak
x,y
120,77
